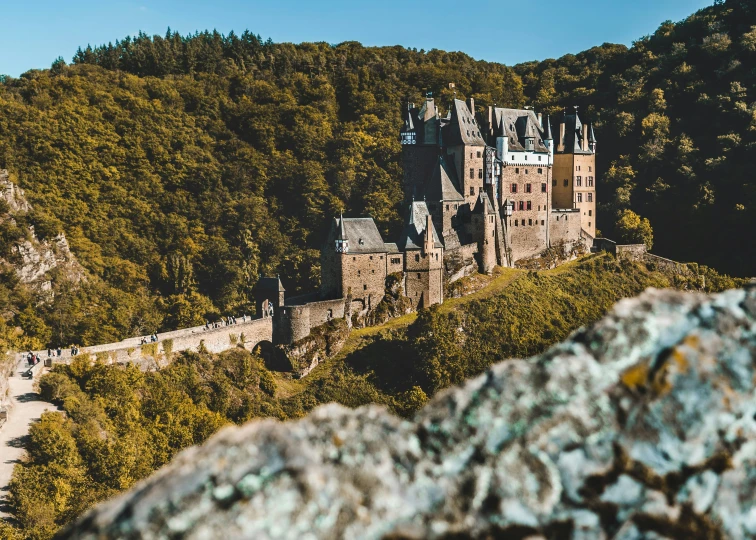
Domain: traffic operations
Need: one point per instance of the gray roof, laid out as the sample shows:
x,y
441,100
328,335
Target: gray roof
x,y
483,204
363,235
409,124
573,135
270,284
391,247
462,127
591,135
547,130
443,183
517,124
412,235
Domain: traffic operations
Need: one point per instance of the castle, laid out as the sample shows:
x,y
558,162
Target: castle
x,y
479,191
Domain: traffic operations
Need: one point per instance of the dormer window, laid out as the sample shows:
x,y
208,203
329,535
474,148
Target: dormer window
x,y
361,242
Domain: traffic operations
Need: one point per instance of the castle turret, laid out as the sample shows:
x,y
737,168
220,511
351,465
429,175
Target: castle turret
x,y
484,230
592,139
548,139
342,242
408,134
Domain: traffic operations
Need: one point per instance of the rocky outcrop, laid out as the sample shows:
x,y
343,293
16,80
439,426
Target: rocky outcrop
x,y
306,354
642,426
33,259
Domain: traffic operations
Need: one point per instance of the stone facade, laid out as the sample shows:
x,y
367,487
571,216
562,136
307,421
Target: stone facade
x,y
510,155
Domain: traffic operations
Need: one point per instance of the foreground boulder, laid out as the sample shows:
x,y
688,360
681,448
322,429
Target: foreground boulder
x,y
642,426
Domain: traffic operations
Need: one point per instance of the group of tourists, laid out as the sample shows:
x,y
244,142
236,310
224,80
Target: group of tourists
x,y
224,321
152,339
33,359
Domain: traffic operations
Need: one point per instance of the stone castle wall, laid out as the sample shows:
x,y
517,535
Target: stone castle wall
x,y
565,226
215,340
527,228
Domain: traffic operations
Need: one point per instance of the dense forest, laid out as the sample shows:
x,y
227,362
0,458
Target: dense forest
x,y
182,167
120,424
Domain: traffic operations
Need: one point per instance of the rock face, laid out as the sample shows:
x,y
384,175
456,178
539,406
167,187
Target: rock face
x,y
642,426
34,259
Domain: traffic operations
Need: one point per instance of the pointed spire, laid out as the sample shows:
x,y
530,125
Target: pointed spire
x,y
547,130
591,134
342,230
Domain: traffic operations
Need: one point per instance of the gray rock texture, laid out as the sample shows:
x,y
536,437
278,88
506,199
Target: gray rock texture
x,y
642,426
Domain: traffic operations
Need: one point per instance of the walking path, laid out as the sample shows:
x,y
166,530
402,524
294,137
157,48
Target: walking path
x,y
26,408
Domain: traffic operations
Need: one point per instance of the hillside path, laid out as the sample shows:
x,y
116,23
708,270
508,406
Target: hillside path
x,y
26,408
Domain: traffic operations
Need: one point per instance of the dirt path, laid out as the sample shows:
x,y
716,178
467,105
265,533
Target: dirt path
x,y
26,409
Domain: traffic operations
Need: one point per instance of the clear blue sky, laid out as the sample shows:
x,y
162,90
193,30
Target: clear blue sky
x,y
36,32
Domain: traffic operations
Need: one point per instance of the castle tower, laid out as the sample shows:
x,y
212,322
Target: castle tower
x,y
443,196
574,172
466,147
420,146
484,231
423,257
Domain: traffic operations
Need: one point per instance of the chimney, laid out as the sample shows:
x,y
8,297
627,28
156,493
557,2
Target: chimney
x,y
560,143
428,244
540,120
490,119
585,137
471,105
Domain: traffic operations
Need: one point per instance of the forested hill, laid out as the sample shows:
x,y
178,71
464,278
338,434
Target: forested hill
x,y
180,167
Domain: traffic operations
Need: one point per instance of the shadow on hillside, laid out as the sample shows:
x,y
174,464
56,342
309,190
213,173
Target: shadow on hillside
x,y
386,362
28,397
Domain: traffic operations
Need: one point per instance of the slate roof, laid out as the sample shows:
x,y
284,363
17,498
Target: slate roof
x,y
517,124
362,234
412,235
443,183
270,284
547,136
483,204
462,127
391,247
573,135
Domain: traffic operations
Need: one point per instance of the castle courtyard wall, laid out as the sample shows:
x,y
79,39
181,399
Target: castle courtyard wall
x,y
565,226
364,277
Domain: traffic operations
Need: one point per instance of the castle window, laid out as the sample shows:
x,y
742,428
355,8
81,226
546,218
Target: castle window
x,y
590,169
371,257
470,155
590,212
517,170
395,260
579,181
364,287
530,222
590,181
522,207
542,222
523,222
540,171
480,173
526,158
530,205
381,257
577,168
516,225
468,132
566,182
528,188
514,188
539,158
455,206
417,258
553,182
372,271
418,276
589,223
472,190
359,272
512,158
543,187
579,197
447,207
478,153
526,171
589,197
472,173
436,256
354,258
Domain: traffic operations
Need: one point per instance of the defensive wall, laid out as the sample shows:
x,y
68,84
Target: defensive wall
x,y
638,252
298,316
247,333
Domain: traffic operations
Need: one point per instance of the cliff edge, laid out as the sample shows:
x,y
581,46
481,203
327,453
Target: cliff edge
x,y
642,426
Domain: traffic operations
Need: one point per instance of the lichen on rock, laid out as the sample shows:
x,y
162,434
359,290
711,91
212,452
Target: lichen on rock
x,y
642,426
